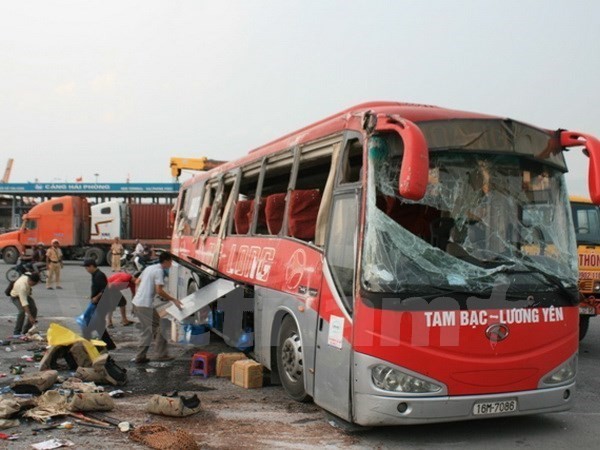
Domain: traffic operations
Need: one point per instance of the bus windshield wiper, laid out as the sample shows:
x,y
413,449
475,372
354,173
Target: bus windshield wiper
x,y
535,270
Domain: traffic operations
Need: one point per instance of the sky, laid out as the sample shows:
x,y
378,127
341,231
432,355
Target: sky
x,y
117,88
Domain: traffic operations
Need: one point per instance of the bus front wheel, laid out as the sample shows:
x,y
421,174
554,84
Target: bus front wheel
x,y
584,324
290,360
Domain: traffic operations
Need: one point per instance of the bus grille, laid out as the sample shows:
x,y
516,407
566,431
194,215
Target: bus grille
x,y
586,285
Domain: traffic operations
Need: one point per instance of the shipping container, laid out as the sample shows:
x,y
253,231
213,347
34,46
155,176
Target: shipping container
x,y
150,221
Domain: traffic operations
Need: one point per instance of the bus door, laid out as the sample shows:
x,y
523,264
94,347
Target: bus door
x,y
333,344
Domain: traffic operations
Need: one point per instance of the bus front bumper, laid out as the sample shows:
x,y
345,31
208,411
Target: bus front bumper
x,y
372,406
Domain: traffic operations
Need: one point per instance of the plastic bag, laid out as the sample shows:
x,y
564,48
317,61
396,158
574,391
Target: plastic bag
x,y
84,319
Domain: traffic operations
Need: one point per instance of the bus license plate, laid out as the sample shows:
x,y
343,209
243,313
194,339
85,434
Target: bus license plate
x,y
502,407
587,310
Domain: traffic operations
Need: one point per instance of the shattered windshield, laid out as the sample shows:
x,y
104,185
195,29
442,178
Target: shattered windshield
x,y
487,219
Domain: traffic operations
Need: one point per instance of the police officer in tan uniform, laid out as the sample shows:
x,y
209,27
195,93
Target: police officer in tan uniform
x,y
117,250
54,261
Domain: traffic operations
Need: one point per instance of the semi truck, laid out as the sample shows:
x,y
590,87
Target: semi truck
x,y
86,230
586,217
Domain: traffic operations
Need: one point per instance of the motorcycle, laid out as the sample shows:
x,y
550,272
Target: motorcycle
x,y
126,257
22,267
138,263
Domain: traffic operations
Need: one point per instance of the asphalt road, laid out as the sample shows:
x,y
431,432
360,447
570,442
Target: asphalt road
x,y
572,429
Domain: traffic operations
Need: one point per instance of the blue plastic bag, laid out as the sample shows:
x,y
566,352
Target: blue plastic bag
x,y
84,319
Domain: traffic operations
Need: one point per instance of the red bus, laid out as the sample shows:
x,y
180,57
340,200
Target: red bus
x,y
397,263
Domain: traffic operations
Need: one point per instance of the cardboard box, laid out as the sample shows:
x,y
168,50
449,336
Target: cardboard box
x,y
247,374
225,361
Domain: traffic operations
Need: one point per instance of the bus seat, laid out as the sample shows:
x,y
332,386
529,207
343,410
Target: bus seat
x,y
241,216
274,209
261,223
415,218
304,208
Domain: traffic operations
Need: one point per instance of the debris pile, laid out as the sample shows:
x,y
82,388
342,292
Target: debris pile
x,y
70,390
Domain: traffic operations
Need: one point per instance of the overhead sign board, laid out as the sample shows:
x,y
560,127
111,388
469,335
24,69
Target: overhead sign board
x,y
88,188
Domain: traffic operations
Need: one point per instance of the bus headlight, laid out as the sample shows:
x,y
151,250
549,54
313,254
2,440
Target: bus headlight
x,y
563,373
596,286
389,379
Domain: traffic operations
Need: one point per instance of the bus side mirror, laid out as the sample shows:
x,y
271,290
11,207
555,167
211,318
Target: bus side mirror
x,y
414,173
592,150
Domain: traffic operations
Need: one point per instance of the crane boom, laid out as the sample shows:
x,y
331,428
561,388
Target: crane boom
x,y
203,163
7,171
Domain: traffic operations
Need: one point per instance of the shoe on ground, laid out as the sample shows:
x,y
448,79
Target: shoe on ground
x,y
50,287
138,360
58,287
126,324
110,325
164,358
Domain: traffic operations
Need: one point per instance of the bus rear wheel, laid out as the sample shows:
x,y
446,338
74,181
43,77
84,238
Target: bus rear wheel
x,y
290,360
584,324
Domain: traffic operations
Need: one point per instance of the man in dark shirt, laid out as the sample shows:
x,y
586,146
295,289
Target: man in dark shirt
x,y
98,321
38,258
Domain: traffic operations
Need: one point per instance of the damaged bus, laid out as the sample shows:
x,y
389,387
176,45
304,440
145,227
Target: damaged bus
x,y
397,263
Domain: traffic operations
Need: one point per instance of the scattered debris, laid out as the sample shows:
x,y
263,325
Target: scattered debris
x,y
8,408
55,426
173,405
247,373
92,425
91,401
161,438
17,369
124,427
35,383
82,418
9,437
76,385
112,372
225,361
53,443
50,404
9,423
105,418
203,363
118,393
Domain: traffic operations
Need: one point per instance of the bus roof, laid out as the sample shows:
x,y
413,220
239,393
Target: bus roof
x,y
347,119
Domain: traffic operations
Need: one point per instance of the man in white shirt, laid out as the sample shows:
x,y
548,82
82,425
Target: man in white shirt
x,y
139,248
20,295
150,284
140,253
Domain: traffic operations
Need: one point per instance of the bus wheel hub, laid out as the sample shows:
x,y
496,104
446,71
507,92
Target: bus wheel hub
x,y
291,357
